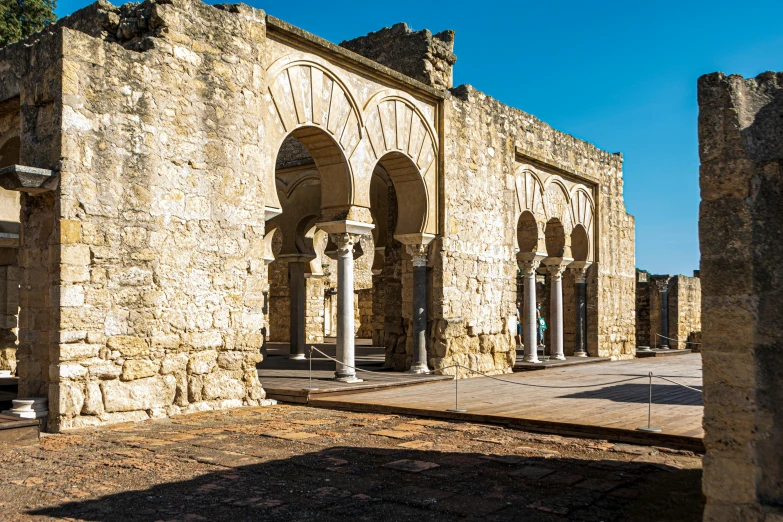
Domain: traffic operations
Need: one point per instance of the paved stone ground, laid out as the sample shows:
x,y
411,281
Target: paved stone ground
x,y
297,463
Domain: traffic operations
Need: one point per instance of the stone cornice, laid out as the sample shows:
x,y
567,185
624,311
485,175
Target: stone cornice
x,y
28,179
295,36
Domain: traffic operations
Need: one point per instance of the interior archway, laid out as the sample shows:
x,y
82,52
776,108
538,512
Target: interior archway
x,y
410,190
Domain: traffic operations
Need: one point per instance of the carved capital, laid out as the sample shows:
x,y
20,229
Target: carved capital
x,y
529,267
580,274
556,270
345,242
418,254
662,284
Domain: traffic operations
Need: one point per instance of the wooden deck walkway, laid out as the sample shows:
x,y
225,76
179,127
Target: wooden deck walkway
x,y
590,407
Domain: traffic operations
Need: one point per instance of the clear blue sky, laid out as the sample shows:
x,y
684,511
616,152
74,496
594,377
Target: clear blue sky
x,y
621,75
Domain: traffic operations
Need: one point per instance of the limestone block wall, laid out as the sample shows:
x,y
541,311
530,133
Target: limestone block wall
x,y
642,309
279,303
740,224
419,54
10,123
684,309
314,310
364,306
160,214
474,269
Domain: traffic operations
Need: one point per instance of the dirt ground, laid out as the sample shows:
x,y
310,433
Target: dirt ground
x,y
298,463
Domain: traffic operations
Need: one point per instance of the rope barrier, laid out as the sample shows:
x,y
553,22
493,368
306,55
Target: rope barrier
x,y
457,409
669,338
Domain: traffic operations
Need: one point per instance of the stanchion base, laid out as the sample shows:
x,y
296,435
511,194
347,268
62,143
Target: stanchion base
x,y
648,430
456,410
310,389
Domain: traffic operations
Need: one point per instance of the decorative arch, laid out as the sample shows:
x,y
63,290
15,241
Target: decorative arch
x,y
530,194
404,143
312,104
582,212
557,201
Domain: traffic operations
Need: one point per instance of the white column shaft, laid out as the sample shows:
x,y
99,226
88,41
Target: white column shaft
x,y
345,312
529,312
556,312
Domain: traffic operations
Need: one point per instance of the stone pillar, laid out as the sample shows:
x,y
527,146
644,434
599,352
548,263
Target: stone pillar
x,y
529,268
418,255
345,234
580,281
663,288
345,307
296,299
556,310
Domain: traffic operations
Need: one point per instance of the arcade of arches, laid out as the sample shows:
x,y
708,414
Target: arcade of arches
x,y
209,178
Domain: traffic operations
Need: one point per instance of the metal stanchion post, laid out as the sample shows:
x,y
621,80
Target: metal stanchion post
x,y
649,428
456,408
310,388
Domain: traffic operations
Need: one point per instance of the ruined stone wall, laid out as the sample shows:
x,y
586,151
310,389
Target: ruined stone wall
x,y
419,54
642,308
314,310
279,328
740,226
684,309
364,307
475,266
161,215
10,123
30,94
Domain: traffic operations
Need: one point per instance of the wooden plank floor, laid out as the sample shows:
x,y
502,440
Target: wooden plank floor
x,y
588,406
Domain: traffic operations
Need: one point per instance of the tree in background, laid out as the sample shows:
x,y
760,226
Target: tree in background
x,y
21,18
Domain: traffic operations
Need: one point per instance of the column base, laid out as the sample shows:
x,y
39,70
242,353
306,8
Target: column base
x,y
421,369
580,354
298,357
531,358
558,357
348,379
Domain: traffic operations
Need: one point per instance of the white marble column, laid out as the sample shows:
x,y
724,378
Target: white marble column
x,y
345,311
556,311
418,255
529,310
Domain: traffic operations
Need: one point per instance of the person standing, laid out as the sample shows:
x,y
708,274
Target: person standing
x,y
519,329
541,326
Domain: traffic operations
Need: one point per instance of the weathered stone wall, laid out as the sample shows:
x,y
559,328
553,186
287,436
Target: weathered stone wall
x,y
31,87
475,261
684,309
740,226
314,310
642,308
419,54
161,214
655,311
364,307
9,237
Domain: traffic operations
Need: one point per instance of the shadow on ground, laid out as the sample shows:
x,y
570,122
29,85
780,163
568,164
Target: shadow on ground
x,y
640,393
356,483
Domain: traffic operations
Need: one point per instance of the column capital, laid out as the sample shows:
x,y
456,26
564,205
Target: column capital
x,y
419,238
529,262
418,254
579,269
662,284
557,265
345,242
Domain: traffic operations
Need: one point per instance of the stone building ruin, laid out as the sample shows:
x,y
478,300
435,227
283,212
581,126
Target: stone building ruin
x,y
167,154
740,226
668,311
